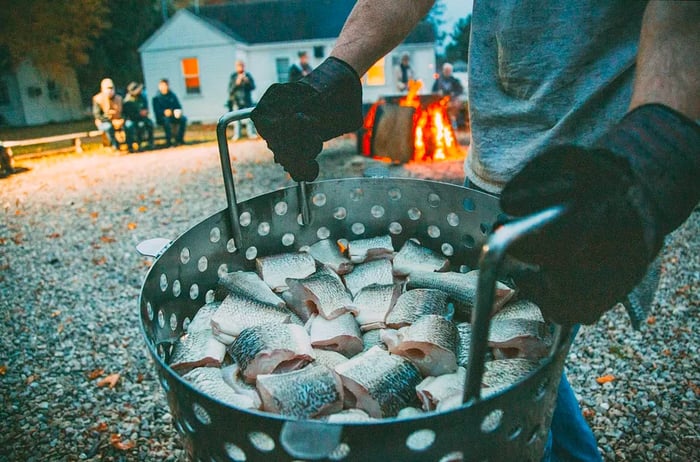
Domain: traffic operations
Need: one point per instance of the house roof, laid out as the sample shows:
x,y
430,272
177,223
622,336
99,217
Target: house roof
x,y
290,20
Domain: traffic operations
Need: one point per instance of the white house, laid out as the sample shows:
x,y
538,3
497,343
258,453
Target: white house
x,y
30,96
196,52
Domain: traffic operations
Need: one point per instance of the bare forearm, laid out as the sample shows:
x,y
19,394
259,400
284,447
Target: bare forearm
x,y
668,62
375,27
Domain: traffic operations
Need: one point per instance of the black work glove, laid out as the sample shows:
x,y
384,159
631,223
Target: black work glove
x,y
639,183
296,118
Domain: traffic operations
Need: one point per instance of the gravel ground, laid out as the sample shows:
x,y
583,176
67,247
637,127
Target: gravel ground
x,y
70,279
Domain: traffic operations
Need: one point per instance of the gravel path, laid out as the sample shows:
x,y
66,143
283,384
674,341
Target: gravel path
x,y
70,279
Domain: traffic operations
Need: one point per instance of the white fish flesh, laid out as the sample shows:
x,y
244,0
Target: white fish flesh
x,y
328,253
379,383
202,318
373,272
306,393
373,303
430,343
414,257
415,303
349,416
322,291
434,390
275,269
248,284
232,376
341,334
271,348
208,380
197,349
361,250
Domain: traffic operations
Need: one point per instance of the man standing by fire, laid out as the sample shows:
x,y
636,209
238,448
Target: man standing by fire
x,y
594,107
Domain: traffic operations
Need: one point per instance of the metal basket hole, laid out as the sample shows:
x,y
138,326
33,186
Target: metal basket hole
x,y
447,249
251,252
395,227
420,440
514,432
452,219
340,453
173,322
176,288
185,255
433,231
468,205
234,453
485,228
209,296
468,241
394,194
245,219
319,199
492,421
201,414
163,282
149,311
264,228
456,456
414,213
186,323
288,239
339,213
281,208
323,233
222,270
377,211
357,228
161,319
541,391
261,441
433,200
202,264
187,426
215,234
194,291
231,246
300,219
357,194
536,434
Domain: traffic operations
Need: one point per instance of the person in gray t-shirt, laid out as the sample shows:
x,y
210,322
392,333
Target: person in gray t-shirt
x,y
591,105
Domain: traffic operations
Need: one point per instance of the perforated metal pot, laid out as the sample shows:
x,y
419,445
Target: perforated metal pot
x,y
452,220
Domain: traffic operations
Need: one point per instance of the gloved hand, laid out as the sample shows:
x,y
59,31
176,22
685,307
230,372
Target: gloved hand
x,y
296,118
623,196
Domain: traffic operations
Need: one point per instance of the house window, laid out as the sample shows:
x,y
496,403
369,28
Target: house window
x,y
375,75
190,70
54,90
282,66
4,93
319,51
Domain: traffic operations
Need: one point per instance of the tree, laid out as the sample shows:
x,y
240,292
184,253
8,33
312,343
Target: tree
x,y
435,17
457,49
45,32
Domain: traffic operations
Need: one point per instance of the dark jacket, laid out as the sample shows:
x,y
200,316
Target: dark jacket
x,y
448,86
133,105
240,94
161,102
296,72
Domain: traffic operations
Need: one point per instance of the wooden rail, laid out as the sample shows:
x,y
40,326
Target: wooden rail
x,y
75,137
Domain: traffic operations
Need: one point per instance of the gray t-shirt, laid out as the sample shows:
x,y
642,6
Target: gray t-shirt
x,y
545,73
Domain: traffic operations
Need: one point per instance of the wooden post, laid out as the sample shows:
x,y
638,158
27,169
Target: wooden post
x,y
78,145
393,133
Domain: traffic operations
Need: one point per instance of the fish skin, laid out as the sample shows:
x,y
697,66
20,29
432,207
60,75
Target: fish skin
x,y
349,416
410,412
414,257
362,250
465,337
197,349
274,269
373,272
328,254
209,381
328,358
378,382
435,390
232,377
373,302
502,373
415,303
237,313
430,343
305,393
270,348
519,331
341,334
325,291
372,338
519,309
248,284
202,318
461,288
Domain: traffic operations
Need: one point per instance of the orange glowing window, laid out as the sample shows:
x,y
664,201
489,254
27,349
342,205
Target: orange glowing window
x,y
190,71
375,75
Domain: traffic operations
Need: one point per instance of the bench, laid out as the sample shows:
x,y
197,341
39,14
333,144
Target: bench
x,y
76,138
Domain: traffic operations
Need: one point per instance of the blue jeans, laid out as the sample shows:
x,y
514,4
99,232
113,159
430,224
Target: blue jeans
x,y
570,439
108,129
168,122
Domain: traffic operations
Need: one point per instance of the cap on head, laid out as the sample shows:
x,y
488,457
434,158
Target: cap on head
x,y
134,88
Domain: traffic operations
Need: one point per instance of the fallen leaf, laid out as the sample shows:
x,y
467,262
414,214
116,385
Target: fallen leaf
x,y
17,238
142,209
116,440
108,239
651,320
3,369
157,202
30,379
147,263
93,374
60,328
249,176
140,377
2,241
101,427
605,379
588,413
99,261
54,235
142,197
18,212
666,352
111,380
94,215
694,387
131,225
55,313
178,201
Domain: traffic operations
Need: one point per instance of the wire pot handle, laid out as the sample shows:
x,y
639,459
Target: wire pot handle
x,y
490,262
227,172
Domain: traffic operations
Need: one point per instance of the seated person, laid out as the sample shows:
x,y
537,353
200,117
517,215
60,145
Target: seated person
x,y
168,112
136,114
107,111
